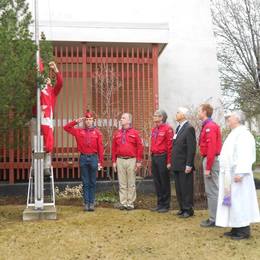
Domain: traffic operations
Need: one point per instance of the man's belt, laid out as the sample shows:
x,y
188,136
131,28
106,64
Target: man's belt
x,y
158,154
88,154
125,157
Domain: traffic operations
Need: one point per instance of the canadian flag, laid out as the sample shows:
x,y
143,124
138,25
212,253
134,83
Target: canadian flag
x,y
47,118
48,99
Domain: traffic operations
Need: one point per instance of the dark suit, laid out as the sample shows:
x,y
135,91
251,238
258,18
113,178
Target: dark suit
x,y
183,153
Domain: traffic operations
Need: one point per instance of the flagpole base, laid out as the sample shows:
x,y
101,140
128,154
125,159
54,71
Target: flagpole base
x,y
48,213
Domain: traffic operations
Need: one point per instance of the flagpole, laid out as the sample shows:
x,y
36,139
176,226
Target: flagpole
x,y
38,64
38,151
36,208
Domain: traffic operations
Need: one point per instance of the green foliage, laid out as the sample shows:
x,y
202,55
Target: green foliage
x,y
17,64
76,192
257,139
109,197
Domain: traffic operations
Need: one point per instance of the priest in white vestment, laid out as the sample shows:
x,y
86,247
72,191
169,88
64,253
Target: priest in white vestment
x,y
237,200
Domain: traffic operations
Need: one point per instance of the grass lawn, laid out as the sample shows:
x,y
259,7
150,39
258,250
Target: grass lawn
x,y
112,234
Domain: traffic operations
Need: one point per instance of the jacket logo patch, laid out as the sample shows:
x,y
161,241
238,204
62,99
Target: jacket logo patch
x,y
207,130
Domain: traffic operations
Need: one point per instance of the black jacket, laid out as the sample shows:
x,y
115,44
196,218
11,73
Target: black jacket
x,y
184,148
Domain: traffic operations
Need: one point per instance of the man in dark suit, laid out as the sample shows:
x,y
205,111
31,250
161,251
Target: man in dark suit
x,y
183,153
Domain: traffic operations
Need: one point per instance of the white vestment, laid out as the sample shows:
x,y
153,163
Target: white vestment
x,y
236,158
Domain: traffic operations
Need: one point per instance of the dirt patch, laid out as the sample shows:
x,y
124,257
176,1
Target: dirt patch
x,y
105,200
113,234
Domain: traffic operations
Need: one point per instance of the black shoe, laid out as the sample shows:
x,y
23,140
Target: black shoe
x,y
130,208
238,236
155,209
163,210
180,212
207,223
191,212
229,234
185,215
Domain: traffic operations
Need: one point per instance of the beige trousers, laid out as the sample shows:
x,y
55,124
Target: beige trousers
x,y
126,178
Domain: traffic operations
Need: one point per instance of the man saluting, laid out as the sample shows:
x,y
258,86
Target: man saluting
x,y
89,143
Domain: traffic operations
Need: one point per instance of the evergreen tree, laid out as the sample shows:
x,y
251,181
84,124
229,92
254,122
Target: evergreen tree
x,y
18,65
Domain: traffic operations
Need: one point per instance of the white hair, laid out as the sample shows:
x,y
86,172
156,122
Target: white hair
x,y
130,117
162,113
237,114
185,111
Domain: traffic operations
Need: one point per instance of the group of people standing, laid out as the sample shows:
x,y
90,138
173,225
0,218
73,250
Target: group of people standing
x,y
227,170
228,177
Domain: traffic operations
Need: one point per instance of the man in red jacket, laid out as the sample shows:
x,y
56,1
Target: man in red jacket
x,y
127,155
89,144
161,147
210,143
48,99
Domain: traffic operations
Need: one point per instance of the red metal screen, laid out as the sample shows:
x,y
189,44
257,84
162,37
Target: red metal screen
x,y
108,79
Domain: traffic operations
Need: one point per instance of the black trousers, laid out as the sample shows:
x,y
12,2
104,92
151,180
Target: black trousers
x,y
161,180
184,189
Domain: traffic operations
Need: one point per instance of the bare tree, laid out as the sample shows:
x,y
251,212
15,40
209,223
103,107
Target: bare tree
x,y
237,28
108,84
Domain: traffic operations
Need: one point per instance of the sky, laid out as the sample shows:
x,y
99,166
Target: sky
x,y
104,10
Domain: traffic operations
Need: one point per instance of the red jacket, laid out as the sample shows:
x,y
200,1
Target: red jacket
x,y
161,140
128,145
210,142
89,140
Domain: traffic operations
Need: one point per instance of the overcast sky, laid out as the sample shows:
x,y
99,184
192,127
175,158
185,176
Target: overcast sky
x,y
106,10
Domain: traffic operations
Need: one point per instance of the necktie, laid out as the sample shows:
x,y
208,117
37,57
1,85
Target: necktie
x,y
177,129
88,137
123,136
156,132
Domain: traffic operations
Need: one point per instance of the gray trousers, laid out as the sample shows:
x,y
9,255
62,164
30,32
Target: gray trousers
x,y
211,187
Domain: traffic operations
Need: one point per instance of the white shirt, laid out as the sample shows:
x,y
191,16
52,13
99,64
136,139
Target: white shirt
x,y
181,125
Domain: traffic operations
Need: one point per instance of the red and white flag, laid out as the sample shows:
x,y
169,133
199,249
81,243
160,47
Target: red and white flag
x,y
48,99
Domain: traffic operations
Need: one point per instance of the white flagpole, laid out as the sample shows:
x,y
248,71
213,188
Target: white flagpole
x,y
38,151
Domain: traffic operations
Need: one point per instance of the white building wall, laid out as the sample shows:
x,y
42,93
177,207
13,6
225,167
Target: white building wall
x,y
188,72
187,67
